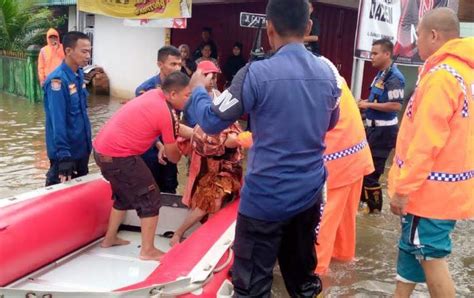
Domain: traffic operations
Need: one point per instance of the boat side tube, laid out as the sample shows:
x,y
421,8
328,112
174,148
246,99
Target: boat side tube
x,y
205,257
39,229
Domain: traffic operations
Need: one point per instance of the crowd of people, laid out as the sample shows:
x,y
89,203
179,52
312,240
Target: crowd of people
x,y
307,135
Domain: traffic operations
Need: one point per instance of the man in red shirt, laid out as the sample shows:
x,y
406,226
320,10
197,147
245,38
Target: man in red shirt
x,y
117,149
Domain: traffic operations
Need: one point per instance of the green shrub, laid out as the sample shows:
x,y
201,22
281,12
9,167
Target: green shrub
x,y
22,23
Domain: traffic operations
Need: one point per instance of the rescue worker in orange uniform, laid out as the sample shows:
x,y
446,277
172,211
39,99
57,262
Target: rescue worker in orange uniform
x,y
50,56
431,182
348,160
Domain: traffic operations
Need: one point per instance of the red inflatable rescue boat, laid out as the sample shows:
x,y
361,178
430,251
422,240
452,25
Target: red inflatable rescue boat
x,y
49,247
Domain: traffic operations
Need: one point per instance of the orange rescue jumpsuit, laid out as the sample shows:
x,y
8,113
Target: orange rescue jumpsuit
x,y
434,157
50,56
348,160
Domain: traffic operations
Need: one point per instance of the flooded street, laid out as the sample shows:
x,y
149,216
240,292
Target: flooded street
x,y
23,159
23,164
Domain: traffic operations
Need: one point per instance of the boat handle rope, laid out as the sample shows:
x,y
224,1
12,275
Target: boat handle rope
x,y
158,292
230,256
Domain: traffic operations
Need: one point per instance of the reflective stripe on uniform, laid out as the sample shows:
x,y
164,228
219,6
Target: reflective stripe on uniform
x,y
410,106
378,123
345,152
458,77
443,177
461,82
450,177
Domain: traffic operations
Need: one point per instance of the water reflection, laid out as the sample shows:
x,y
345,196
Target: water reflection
x,y
372,273
23,164
23,159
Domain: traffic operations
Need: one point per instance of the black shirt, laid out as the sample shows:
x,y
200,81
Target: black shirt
x,y
232,66
189,64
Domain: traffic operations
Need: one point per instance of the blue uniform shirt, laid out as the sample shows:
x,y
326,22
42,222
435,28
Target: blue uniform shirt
x,y
68,130
291,100
189,117
149,84
390,90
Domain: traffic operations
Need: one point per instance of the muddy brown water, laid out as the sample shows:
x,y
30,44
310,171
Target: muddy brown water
x,y
23,164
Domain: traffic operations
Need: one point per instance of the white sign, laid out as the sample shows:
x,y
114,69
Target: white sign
x,y
395,20
179,23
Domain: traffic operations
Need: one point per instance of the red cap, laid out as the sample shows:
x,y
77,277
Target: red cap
x,y
208,67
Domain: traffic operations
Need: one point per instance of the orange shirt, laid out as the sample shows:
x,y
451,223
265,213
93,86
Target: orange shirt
x,y
347,154
434,157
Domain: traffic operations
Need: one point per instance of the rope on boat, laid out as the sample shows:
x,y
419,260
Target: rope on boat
x,y
227,262
164,291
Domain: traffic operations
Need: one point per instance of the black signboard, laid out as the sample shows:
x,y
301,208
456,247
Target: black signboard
x,y
252,20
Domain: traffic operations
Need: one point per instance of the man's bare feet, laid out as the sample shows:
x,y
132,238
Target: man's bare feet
x,y
151,254
113,242
175,239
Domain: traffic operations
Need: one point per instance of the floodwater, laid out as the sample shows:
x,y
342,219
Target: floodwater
x,y
23,164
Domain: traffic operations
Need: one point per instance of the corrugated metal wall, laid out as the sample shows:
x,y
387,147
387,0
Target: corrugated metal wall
x,y
224,21
338,26
338,29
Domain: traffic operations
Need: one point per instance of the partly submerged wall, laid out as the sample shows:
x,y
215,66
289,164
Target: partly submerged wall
x,y
18,73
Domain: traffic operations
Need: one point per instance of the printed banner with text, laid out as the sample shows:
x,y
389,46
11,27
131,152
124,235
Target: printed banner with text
x,y
138,9
396,20
179,23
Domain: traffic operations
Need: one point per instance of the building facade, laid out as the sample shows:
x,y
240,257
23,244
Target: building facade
x,y
128,54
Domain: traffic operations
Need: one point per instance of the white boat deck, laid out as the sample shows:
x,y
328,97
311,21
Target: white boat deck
x,y
95,268
92,271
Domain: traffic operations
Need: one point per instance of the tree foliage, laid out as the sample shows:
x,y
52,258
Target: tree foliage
x,y
22,23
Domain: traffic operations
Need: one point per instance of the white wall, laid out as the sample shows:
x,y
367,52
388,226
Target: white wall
x,y
467,29
72,18
127,54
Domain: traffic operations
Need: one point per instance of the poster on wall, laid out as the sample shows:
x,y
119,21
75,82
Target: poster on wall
x,y
178,23
138,9
396,20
